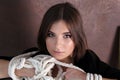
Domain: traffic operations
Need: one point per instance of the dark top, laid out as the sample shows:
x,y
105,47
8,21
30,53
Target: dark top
x,y
90,63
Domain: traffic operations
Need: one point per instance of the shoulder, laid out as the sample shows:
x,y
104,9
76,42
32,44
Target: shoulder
x,y
30,50
91,63
90,56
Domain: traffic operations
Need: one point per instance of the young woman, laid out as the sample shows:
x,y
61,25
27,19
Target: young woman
x,y
61,35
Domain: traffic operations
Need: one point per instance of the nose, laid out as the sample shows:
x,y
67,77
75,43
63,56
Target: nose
x,y
58,43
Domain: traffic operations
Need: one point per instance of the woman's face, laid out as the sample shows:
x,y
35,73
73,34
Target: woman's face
x,y
59,42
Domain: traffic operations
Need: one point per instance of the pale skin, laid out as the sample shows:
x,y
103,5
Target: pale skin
x,y
58,40
60,45
3,68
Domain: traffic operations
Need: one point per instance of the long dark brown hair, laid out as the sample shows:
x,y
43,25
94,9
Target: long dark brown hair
x,y
68,13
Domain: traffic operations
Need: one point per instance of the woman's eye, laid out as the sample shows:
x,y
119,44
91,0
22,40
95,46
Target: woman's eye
x,y
50,35
67,36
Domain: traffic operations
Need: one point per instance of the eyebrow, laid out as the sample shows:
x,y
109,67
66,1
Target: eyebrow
x,y
62,33
67,33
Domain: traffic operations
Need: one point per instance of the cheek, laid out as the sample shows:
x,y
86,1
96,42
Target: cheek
x,y
49,44
70,46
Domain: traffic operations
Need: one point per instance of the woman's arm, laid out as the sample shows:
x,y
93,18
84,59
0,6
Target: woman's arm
x,y
4,68
108,79
22,72
73,74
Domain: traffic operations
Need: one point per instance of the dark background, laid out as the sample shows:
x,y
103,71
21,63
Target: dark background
x,y
20,21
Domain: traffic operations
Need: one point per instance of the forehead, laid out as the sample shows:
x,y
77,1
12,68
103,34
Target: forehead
x,y
60,26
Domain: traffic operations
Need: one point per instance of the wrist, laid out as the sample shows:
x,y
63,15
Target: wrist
x,y
90,76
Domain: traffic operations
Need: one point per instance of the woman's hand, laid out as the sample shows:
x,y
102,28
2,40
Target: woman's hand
x,y
28,72
73,74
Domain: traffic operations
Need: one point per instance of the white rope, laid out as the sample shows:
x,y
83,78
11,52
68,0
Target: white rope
x,y
16,63
43,65
93,76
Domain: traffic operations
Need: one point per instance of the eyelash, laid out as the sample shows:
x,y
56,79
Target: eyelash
x,y
50,35
67,36
53,35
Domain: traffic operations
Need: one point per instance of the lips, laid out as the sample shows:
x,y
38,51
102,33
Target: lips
x,y
58,52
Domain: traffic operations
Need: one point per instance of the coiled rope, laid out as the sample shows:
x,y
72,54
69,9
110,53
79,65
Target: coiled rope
x,y
42,64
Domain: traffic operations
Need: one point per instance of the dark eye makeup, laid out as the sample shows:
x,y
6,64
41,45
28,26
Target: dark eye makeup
x,y
50,34
65,35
